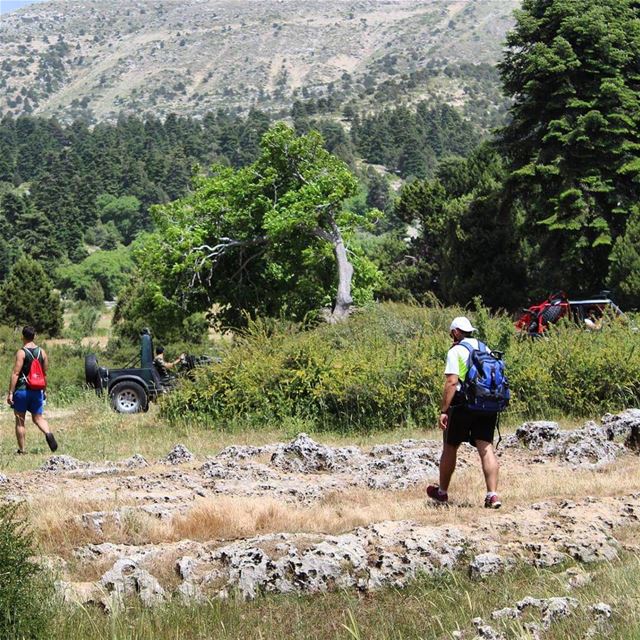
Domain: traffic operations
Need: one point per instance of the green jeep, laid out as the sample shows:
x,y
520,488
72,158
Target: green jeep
x,y
131,388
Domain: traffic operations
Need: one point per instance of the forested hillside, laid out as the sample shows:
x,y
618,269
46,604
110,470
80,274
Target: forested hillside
x,y
218,209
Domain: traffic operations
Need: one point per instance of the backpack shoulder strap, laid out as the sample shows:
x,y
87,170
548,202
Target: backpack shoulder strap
x,y
31,353
482,347
466,345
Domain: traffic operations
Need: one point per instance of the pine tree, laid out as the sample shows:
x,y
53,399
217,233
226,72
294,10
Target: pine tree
x,y
8,146
571,67
27,297
624,274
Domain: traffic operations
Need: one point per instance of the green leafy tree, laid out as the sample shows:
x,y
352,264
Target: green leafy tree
x,y
109,270
462,237
123,212
268,239
27,297
482,252
571,67
33,234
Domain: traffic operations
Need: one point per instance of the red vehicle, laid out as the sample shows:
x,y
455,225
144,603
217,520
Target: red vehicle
x,y
588,312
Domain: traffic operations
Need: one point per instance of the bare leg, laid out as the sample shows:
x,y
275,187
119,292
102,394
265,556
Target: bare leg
x,y
489,463
40,422
21,431
447,465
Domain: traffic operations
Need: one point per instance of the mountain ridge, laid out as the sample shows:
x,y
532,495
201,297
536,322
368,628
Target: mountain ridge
x,y
88,59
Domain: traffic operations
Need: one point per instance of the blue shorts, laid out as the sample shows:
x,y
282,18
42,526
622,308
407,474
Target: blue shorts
x,y
28,400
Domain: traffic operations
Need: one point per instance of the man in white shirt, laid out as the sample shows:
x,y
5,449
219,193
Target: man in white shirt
x,y
462,425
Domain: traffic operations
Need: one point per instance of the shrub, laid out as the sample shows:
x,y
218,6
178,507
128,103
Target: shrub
x,y
84,320
384,368
25,589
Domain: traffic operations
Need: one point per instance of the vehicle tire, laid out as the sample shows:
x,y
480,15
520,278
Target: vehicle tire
x,y
129,397
552,314
92,372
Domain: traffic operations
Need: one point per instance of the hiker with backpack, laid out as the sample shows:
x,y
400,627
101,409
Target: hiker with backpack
x,y
26,389
475,391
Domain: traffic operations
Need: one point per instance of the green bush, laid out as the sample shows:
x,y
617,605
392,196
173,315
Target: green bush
x,y
384,368
26,591
84,320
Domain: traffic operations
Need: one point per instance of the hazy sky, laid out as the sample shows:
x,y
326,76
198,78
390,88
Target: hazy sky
x,y
11,5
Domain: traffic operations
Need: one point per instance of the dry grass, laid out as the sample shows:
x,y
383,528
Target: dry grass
x,y
59,529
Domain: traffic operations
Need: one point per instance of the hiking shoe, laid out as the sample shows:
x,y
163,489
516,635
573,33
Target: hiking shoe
x,y
21,452
433,491
51,441
492,502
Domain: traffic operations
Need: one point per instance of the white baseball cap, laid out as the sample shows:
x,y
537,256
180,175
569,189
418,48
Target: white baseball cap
x,y
462,324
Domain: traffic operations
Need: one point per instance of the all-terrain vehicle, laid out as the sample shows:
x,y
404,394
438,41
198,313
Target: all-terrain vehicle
x,y
132,387
588,312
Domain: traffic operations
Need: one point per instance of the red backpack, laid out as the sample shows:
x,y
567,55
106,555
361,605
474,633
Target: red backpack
x,y
36,379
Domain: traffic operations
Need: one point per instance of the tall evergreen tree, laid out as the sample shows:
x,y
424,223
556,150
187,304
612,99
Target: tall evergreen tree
x,y
624,274
27,297
8,146
571,67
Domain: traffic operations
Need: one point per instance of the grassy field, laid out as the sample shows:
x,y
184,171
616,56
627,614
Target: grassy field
x,y
431,608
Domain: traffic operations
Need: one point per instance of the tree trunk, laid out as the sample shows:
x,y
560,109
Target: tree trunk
x,y
344,300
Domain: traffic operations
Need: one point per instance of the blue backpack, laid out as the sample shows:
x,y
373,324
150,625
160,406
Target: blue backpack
x,y
486,386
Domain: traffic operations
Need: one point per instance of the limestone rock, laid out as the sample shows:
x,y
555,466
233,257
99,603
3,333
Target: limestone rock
x,y
149,590
577,578
486,564
83,593
304,455
545,555
184,567
485,631
126,578
601,614
508,613
554,609
136,461
601,611
244,452
620,425
96,520
534,435
179,455
590,446
593,549
586,447
62,463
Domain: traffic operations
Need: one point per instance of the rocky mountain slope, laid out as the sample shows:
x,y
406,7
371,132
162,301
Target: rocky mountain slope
x,y
95,59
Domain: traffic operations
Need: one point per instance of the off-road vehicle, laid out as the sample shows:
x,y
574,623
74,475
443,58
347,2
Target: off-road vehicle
x,y
132,387
535,320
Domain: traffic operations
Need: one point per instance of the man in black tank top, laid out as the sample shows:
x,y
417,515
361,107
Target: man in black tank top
x,y
22,399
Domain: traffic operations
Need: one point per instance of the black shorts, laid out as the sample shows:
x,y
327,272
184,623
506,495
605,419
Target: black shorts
x,y
469,426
